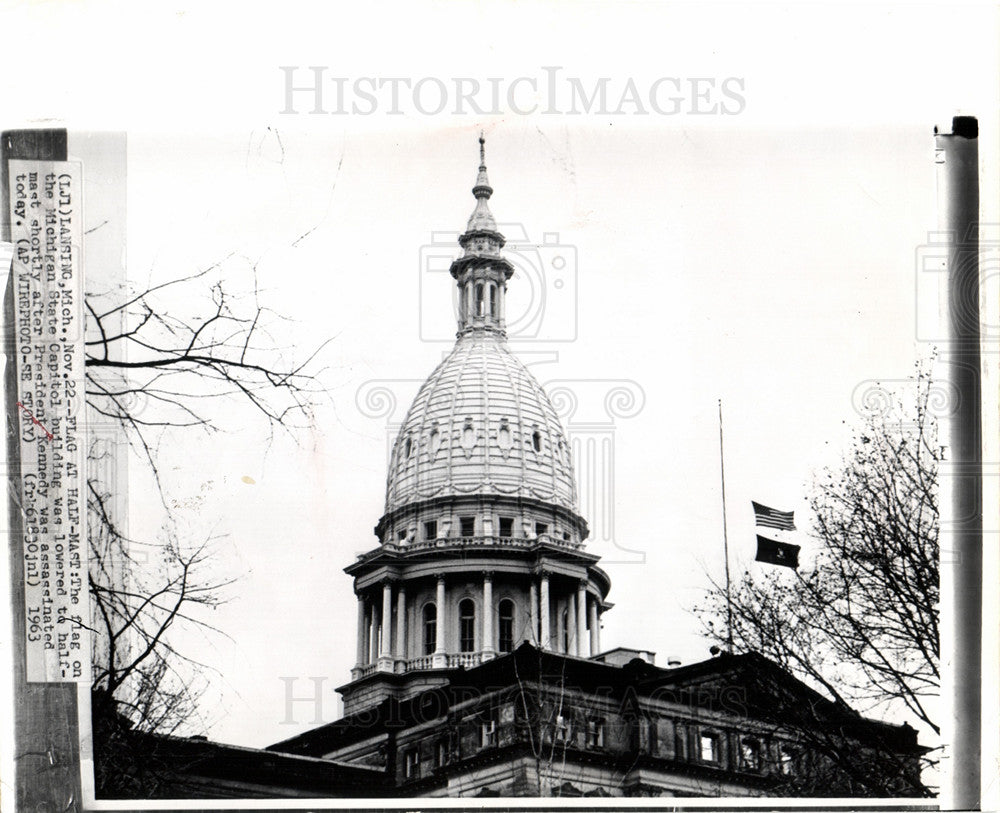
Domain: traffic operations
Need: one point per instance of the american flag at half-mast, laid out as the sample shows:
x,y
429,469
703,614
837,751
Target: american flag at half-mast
x,y
772,518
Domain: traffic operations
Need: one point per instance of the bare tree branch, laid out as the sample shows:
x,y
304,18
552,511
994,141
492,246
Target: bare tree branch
x,y
861,619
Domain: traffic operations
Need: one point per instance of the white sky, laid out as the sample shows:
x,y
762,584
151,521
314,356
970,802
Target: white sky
x,y
767,258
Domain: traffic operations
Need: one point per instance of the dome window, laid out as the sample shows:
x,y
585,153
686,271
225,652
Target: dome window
x,y
430,629
435,439
467,625
468,526
504,440
468,437
480,300
506,630
407,447
536,440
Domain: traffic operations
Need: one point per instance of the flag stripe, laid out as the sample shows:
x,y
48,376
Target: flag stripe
x,y
772,518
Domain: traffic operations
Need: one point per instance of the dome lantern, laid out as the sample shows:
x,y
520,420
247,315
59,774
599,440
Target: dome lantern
x,y
481,272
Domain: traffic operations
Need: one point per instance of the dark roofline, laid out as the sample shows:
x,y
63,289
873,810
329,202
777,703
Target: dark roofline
x,y
528,663
192,759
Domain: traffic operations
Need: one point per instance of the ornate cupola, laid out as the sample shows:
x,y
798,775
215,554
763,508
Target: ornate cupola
x,y
482,271
481,543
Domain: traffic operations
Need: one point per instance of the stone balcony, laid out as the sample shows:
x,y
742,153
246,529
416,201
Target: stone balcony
x,y
397,666
525,543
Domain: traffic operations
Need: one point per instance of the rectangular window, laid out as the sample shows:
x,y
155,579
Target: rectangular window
x,y
431,529
709,747
467,633
541,528
430,633
441,753
562,729
412,763
401,535
786,759
652,732
488,733
506,526
468,526
749,754
595,733
506,625
681,742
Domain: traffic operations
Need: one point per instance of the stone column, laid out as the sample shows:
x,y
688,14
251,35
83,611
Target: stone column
x,y
562,625
373,634
440,658
385,644
368,634
581,619
533,612
544,616
361,631
401,623
595,628
489,647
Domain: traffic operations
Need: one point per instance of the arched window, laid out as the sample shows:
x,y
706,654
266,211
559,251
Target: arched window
x,y
565,630
505,440
493,301
506,618
480,300
467,625
468,436
536,440
408,447
430,629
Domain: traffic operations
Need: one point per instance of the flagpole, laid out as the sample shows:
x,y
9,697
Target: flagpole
x,y
725,535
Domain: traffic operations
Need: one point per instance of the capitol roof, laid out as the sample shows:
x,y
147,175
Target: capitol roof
x,y
481,424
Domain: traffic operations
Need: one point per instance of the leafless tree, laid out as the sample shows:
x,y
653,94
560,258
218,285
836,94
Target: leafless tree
x,y
860,620
162,363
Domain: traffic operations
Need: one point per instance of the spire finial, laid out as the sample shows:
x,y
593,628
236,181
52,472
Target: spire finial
x,y
482,190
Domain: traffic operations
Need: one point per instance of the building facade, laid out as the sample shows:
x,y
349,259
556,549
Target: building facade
x,y
479,665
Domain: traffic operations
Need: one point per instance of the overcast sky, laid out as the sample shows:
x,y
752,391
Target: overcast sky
x,y
766,257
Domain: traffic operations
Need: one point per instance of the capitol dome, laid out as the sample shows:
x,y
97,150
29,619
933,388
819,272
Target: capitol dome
x,y
481,542
481,424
